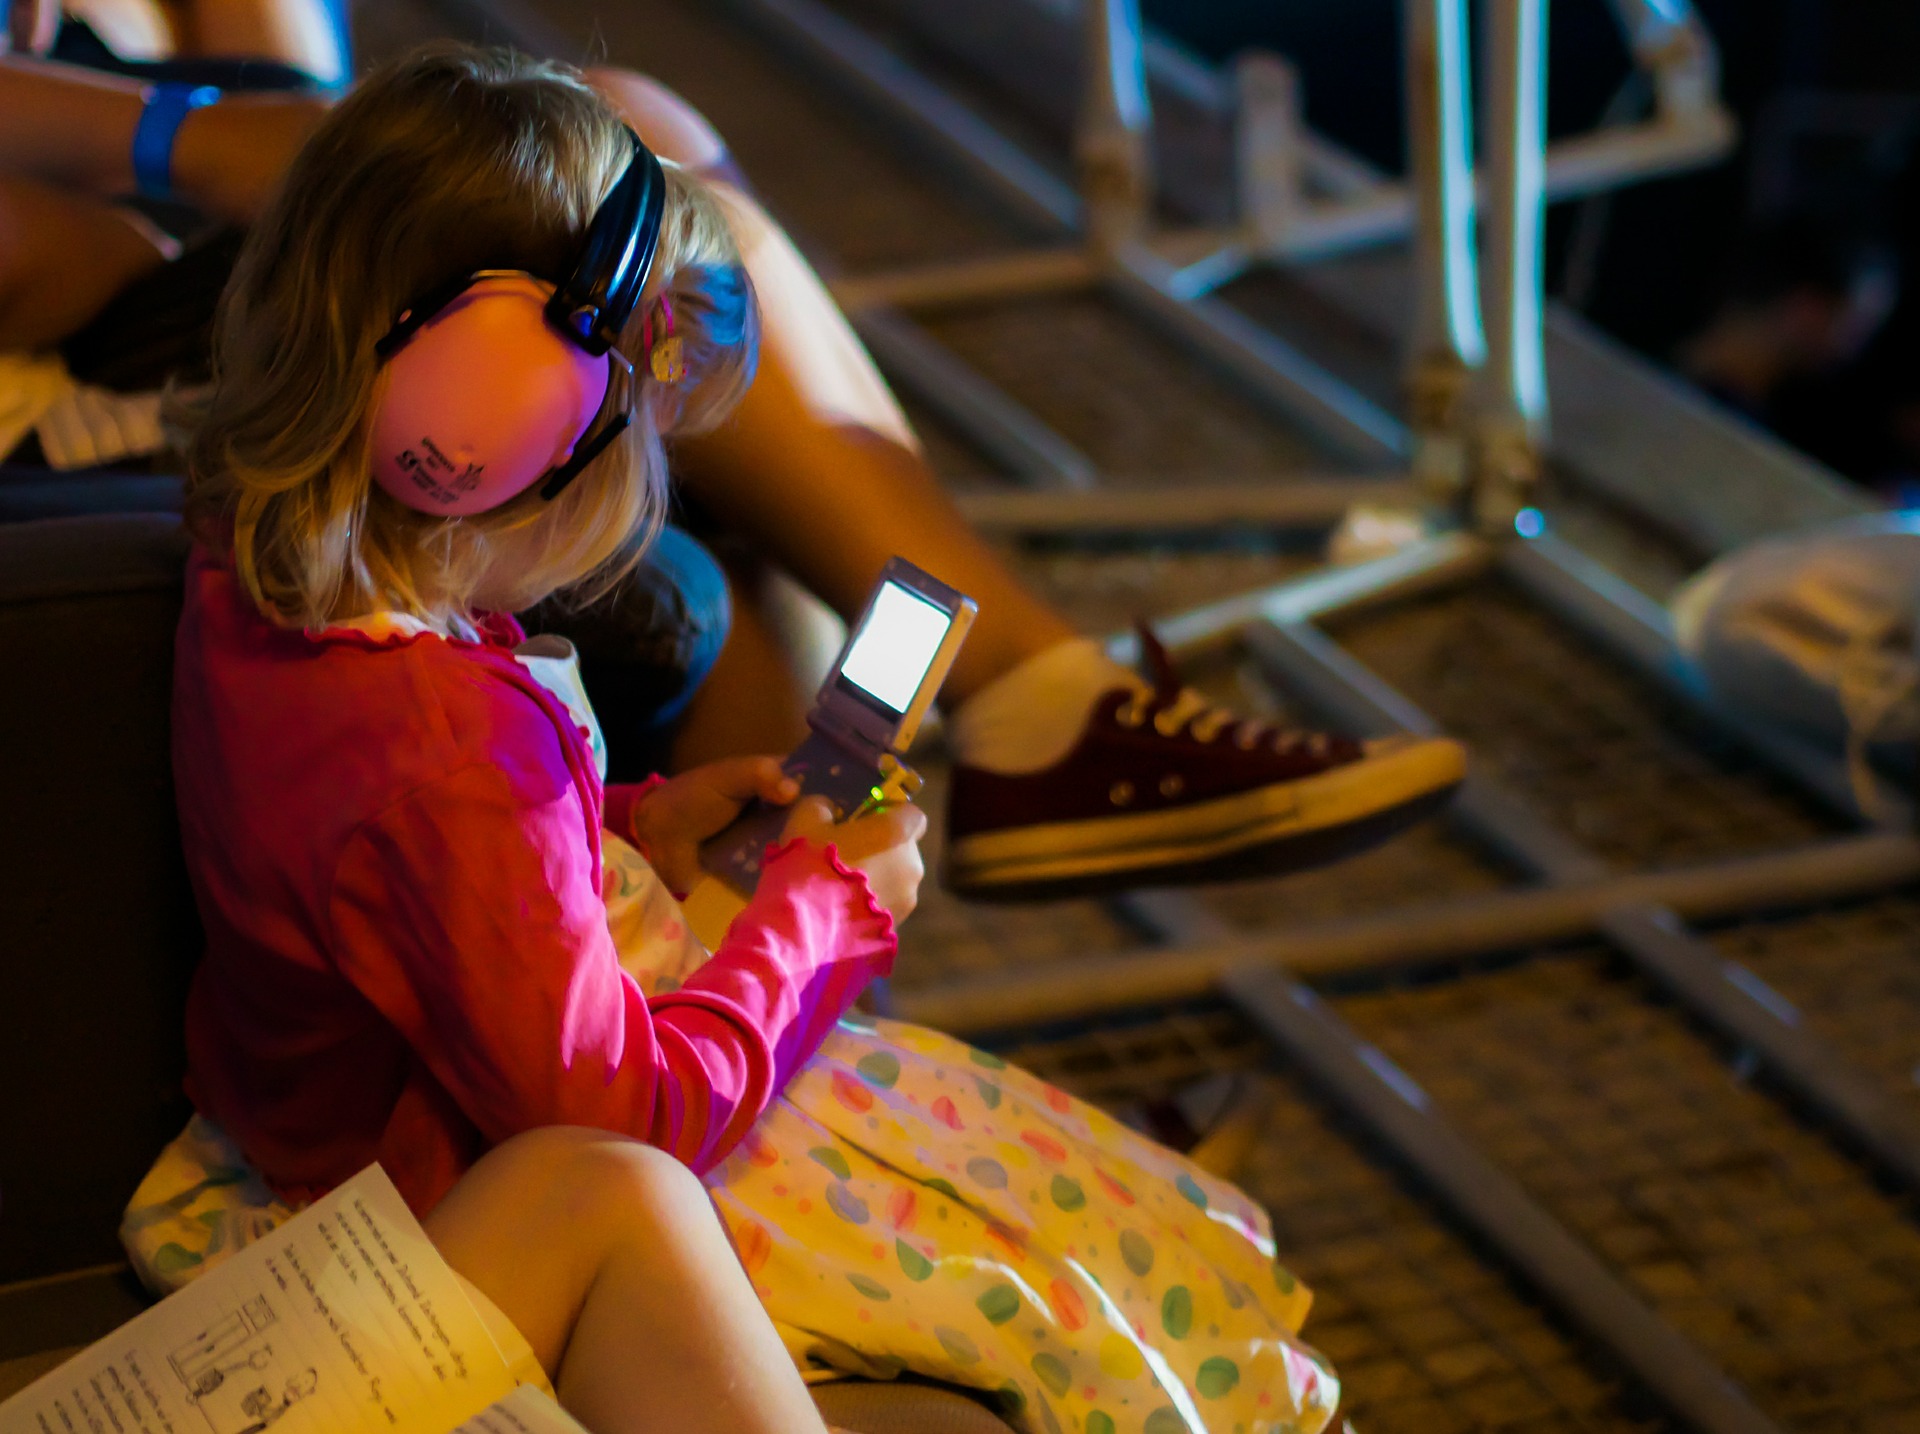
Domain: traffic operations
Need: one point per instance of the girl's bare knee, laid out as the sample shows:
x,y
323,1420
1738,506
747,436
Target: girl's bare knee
x,y
630,1181
599,1183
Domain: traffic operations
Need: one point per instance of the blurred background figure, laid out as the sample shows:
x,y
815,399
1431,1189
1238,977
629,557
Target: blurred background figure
x,y
129,35
1776,279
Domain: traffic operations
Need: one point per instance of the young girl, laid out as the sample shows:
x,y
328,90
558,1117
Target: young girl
x,y
430,926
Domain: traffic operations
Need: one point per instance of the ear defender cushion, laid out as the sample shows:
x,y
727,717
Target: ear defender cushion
x,y
482,400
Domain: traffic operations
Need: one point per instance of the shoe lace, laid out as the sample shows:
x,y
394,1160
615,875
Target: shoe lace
x,y
1173,706
1873,688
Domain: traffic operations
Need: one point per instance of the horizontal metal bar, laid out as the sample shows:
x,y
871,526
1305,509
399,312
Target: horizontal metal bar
x,y
1416,936
994,422
848,55
1346,587
1177,505
1637,630
1397,1113
1270,368
1383,213
1271,371
1726,995
971,281
1393,1106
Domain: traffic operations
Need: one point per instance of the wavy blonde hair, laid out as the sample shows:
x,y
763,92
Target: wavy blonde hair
x,y
450,160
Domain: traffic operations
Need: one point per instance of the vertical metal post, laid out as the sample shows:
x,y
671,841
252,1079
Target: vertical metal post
x,y
1447,343
1113,134
1511,405
1269,136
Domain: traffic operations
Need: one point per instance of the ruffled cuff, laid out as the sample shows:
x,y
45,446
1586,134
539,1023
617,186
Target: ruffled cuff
x,y
622,804
802,864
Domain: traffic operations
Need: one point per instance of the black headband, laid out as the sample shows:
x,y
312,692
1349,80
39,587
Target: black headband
x,y
592,304
595,301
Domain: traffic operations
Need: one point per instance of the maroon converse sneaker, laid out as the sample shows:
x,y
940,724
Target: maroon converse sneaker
x,y
1164,788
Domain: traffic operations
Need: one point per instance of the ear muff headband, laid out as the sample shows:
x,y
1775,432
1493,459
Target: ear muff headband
x,y
594,303
467,411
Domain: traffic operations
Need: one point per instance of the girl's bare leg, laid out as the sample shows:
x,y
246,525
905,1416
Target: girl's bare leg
x,y
607,1256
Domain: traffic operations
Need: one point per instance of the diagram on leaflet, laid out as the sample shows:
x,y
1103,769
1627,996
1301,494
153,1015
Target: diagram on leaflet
x,y
232,1375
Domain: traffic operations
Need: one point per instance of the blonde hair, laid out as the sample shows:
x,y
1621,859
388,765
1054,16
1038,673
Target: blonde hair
x,y
451,160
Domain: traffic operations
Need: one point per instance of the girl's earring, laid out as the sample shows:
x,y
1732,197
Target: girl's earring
x,y
666,359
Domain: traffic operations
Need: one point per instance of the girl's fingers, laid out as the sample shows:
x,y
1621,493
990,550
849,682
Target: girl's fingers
x,y
811,817
898,825
738,779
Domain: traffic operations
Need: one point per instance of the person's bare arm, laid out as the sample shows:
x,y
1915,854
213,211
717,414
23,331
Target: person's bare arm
x,y
73,128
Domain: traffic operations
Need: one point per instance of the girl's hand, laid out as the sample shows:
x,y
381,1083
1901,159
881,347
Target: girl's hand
x,y
684,811
885,845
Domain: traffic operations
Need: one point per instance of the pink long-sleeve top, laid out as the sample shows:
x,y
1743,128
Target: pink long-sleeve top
x,y
395,844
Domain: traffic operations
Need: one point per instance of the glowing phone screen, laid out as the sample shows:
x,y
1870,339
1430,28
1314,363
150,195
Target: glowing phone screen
x,y
895,646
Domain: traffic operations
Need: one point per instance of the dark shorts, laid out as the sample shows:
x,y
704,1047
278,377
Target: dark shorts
x,y
76,44
646,647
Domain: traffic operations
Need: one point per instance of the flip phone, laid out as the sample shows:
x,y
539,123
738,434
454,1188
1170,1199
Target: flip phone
x,y
866,715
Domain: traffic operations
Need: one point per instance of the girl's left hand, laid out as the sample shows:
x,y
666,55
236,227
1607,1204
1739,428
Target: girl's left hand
x,y
684,811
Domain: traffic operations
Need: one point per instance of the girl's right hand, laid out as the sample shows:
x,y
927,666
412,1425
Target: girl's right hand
x,y
884,845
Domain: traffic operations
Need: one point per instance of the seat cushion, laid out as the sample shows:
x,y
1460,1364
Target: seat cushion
x,y
97,926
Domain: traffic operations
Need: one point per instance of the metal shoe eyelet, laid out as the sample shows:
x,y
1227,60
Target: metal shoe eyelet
x,y
1120,793
1160,725
1172,785
1131,715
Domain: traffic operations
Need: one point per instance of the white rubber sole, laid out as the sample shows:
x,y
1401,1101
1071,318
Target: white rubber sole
x,y
1373,787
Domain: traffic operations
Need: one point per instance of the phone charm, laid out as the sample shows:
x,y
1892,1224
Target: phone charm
x,y
666,359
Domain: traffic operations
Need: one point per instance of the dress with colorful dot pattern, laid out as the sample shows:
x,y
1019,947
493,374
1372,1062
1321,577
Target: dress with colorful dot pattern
x,y
910,1203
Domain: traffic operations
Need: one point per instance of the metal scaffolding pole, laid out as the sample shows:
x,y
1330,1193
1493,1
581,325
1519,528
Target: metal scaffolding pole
x,y
1394,1107
1726,995
1303,501
1396,1112
1447,344
1271,370
1510,400
1002,428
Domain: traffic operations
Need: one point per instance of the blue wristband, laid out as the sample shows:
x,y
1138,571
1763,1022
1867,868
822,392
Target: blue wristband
x,y
167,104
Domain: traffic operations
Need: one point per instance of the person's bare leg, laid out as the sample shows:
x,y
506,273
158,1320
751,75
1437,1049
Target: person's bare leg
x,y
756,697
818,466
608,1257
295,32
820,470
44,294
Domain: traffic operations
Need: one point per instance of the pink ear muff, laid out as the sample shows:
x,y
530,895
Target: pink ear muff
x,y
485,398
